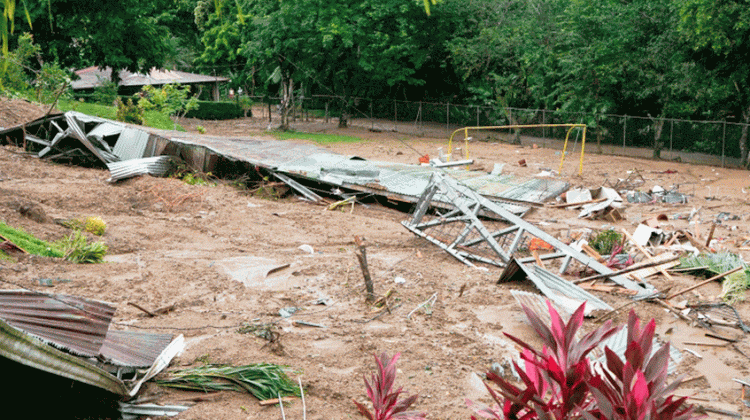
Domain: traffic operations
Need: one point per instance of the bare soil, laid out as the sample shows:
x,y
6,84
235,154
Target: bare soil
x,y
208,249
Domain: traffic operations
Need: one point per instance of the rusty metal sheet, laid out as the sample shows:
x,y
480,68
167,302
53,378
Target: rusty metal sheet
x,y
72,323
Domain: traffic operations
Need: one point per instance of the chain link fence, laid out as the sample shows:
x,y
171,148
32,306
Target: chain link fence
x,y
709,142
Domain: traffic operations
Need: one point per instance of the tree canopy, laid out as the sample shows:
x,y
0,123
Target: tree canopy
x,y
649,58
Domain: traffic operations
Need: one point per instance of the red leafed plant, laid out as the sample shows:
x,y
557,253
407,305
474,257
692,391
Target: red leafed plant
x,y
637,388
385,404
559,382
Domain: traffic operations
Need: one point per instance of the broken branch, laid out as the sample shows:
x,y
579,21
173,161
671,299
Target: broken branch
x,y
714,278
135,305
362,258
634,267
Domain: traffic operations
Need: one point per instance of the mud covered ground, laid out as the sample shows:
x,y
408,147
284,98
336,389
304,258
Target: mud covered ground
x,y
207,251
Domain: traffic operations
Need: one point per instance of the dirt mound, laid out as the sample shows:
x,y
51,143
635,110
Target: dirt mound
x,y
18,111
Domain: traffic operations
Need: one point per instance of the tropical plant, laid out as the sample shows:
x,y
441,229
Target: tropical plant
x,y
385,402
637,388
559,381
77,249
263,380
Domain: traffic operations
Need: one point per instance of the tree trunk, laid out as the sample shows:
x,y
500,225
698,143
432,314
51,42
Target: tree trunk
x,y
743,138
287,101
344,118
658,145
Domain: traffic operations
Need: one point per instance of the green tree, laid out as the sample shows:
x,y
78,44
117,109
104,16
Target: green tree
x,y
121,34
718,34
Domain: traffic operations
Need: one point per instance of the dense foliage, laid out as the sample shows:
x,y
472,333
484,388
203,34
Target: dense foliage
x,y
648,58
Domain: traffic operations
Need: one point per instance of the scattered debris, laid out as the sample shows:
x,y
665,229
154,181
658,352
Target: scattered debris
x,y
460,232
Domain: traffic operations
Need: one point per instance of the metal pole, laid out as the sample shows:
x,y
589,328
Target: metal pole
x,y
395,114
723,142
420,114
477,115
448,116
326,112
544,129
372,119
671,133
624,128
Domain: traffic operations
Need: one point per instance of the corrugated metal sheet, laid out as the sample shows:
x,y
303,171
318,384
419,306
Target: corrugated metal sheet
x,y
538,304
134,349
76,324
91,77
562,292
30,351
156,166
131,144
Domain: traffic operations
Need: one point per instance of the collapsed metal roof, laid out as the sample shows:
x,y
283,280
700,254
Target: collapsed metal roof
x,y
92,77
69,336
67,322
125,149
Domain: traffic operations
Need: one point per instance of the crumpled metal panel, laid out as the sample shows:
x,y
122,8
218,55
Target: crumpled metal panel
x,y
564,293
131,144
30,351
134,349
76,324
156,166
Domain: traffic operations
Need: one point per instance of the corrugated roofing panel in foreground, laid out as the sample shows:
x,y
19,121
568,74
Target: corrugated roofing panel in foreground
x,y
68,322
134,349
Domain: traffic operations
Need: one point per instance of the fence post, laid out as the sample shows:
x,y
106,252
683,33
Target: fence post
x,y
326,118
395,114
624,134
419,114
723,143
477,115
448,117
544,129
372,118
671,133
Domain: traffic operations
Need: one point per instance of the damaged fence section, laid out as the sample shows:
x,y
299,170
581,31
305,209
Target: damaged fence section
x,y
497,238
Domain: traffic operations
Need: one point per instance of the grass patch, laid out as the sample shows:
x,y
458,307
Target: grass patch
x,y
154,119
320,138
29,243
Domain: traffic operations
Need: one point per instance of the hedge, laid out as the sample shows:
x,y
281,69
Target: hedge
x,y
209,110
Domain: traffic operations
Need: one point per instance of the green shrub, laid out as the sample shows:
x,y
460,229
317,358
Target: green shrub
x,y
129,112
106,93
605,241
208,110
77,249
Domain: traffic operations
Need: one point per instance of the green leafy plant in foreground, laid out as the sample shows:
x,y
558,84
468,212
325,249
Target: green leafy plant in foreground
x,y
385,402
77,249
560,383
264,380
